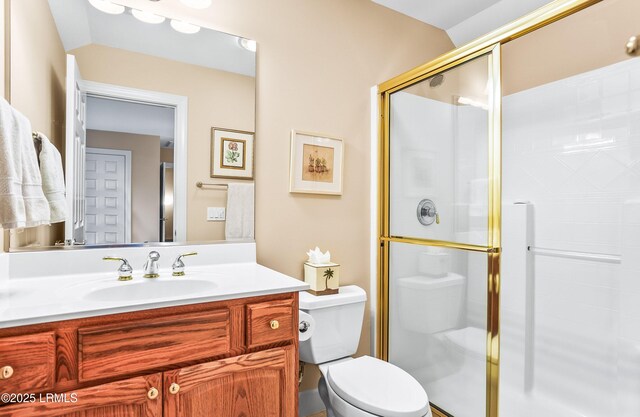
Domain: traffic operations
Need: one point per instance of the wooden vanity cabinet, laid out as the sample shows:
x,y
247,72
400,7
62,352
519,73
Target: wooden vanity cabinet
x,y
256,384
127,398
225,359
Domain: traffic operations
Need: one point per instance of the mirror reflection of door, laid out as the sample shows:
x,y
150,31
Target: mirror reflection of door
x,y
166,202
76,132
107,196
121,134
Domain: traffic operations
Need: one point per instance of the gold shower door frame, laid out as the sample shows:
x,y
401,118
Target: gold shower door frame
x,y
492,249
489,45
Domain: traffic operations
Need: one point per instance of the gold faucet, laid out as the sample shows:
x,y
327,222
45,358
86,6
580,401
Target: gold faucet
x,y
178,265
124,271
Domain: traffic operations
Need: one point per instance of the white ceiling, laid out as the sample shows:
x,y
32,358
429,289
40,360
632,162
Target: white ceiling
x,y
128,117
441,14
464,20
80,24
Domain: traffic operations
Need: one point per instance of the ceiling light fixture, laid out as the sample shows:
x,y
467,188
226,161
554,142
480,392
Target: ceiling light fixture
x,y
107,7
196,4
147,17
184,27
248,44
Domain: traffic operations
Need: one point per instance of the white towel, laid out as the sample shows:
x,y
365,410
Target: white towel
x,y
239,223
53,179
22,203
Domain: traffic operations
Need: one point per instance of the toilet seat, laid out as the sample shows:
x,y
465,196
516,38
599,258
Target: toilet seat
x,y
378,387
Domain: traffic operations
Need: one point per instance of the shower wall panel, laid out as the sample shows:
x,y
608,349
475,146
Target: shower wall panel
x,y
572,149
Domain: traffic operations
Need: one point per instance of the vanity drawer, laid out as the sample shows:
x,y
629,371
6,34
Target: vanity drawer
x,y
126,348
271,321
27,363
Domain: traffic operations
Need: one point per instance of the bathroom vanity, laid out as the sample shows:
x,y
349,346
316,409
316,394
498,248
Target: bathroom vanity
x,y
229,348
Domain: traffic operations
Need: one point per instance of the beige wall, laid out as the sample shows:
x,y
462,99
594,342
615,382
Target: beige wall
x,y
317,61
590,39
216,98
145,178
37,88
166,154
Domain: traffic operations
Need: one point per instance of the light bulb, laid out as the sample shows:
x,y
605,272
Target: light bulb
x,y
184,27
147,17
107,7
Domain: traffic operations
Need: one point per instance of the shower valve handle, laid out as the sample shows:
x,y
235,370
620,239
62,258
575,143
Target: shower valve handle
x,y
427,212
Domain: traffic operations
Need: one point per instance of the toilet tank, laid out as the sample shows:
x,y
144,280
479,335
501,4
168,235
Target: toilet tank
x,y
337,327
430,305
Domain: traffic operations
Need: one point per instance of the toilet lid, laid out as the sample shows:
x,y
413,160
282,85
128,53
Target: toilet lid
x,y
378,387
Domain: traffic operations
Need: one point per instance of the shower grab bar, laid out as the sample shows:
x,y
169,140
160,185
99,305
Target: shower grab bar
x,y
587,256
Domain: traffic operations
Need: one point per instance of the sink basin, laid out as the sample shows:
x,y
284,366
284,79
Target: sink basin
x,y
12,294
150,289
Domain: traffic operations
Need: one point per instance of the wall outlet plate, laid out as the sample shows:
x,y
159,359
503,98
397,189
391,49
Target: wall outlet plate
x,y
216,214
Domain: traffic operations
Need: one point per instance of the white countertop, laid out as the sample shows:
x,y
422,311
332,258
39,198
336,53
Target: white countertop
x,y
54,298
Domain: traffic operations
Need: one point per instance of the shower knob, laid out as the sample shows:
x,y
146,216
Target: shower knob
x,y
427,212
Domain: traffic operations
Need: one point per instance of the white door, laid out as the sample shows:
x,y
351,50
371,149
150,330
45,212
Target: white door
x,y
107,195
76,140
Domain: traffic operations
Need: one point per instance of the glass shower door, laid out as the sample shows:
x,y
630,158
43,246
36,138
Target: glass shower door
x,y
439,237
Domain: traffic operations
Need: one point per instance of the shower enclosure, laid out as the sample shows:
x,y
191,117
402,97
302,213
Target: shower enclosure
x,y
509,267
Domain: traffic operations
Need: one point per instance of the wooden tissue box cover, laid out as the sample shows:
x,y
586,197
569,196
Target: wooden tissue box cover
x,y
324,279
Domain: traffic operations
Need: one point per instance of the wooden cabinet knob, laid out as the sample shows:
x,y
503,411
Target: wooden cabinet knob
x,y
153,393
174,388
6,372
274,324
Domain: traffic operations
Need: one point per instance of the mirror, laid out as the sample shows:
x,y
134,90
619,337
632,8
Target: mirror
x,y
132,100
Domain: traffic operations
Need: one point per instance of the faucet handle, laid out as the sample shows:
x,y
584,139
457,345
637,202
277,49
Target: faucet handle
x,y
178,265
124,271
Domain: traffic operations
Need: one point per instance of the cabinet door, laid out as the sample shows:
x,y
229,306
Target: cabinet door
x,y
129,398
261,384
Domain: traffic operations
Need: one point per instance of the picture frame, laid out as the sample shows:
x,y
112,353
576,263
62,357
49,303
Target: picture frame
x,y
232,153
316,164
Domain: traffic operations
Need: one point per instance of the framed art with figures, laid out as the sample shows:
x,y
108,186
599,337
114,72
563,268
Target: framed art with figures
x,y
316,165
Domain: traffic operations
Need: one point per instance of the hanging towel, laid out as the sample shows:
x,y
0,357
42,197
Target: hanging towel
x,y
239,223
53,179
12,214
36,207
22,202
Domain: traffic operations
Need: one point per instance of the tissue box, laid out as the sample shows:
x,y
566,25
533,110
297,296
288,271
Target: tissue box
x,y
324,279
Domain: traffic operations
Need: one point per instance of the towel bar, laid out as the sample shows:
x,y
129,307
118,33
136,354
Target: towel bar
x,y
586,256
201,184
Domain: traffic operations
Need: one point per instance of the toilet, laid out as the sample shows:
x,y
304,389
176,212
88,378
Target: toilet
x,y
354,387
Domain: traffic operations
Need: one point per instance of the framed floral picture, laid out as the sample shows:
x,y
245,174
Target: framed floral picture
x,y
231,153
316,164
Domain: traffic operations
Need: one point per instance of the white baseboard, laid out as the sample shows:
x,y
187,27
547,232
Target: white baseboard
x,y
309,402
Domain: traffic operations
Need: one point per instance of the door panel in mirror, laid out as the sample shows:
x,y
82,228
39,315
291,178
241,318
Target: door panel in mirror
x,y
76,140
